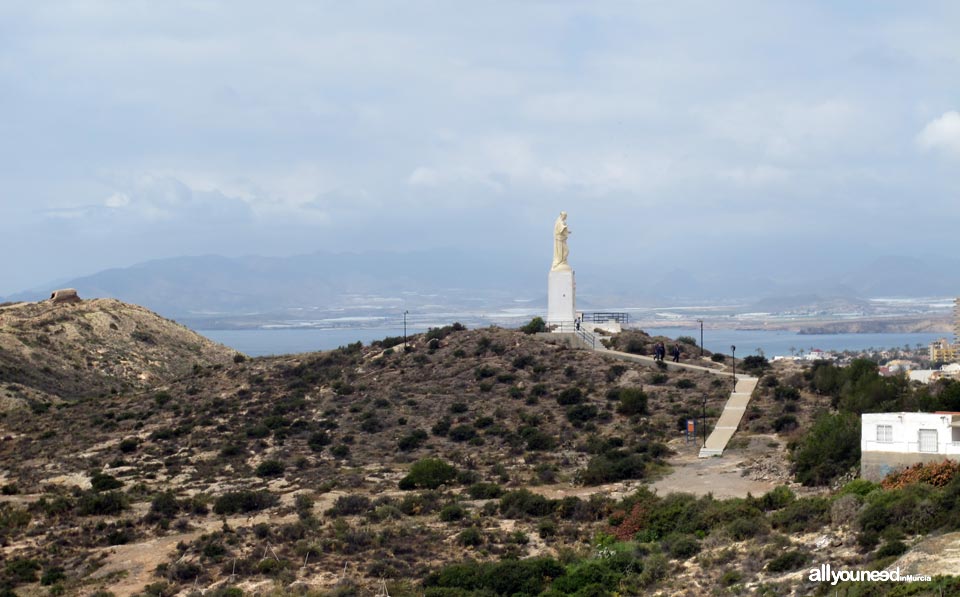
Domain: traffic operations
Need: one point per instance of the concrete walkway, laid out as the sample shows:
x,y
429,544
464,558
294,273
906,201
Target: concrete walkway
x,y
732,412
730,417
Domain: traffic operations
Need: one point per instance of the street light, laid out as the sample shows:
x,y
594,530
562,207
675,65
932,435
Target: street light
x,y
704,421
733,353
405,331
700,321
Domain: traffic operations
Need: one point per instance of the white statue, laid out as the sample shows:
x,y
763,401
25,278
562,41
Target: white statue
x,y
560,251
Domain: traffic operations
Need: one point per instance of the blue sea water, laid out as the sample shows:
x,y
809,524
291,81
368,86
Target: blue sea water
x,y
779,342
261,342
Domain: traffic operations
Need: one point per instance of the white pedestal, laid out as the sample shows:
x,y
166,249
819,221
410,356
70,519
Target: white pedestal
x,y
561,299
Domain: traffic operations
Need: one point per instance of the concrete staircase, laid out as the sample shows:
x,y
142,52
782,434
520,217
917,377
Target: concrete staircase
x,y
730,417
732,412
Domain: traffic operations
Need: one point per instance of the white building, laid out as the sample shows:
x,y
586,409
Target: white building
x,y
891,441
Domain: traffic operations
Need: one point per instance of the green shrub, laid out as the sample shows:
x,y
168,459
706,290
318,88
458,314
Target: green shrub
x,y
165,505
101,504
717,357
442,427
100,482
537,325
318,440
340,451
129,444
470,537
828,450
350,505
244,501
413,440
21,570
891,549
570,396
685,384
522,502
785,424
428,473
803,515
612,466
681,546
484,491
462,433
633,401
270,468
452,512
52,576
787,561
581,413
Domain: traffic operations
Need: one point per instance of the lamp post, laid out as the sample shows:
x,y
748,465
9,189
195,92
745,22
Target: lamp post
x,y
405,331
700,321
733,353
703,422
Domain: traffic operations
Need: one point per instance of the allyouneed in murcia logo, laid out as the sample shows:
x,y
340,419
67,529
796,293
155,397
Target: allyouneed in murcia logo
x,y
826,573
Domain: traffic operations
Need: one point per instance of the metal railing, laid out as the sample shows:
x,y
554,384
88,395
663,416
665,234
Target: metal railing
x,y
605,316
586,337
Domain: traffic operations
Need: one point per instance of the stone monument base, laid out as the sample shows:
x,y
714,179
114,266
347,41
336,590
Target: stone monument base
x,y
561,300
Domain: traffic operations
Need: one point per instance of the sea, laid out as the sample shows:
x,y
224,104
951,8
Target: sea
x,y
266,342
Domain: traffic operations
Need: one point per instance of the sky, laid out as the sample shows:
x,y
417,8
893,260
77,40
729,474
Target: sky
x,y
760,135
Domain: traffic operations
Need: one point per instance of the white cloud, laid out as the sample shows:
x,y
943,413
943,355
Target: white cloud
x,y
117,200
424,177
942,134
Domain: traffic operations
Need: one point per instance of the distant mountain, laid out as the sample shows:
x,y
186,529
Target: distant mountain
x,y
190,288
210,284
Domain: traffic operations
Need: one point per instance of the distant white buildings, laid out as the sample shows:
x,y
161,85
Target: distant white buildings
x,y
891,441
814,355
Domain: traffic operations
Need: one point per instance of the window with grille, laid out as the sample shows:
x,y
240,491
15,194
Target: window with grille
x,y
885,433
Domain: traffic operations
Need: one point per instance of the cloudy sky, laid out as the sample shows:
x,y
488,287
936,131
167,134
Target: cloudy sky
x,y
771,132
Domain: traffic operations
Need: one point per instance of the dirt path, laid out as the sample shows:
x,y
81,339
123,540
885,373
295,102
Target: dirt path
x,y
755,468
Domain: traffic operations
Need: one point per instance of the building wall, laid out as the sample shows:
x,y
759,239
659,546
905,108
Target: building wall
x,y
879,459
874,466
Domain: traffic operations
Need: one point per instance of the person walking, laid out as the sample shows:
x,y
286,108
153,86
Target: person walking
x,y
676,353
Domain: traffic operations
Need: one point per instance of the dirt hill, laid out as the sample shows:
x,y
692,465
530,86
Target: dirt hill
x,y
51,352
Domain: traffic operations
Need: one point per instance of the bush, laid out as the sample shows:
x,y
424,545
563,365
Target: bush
x,y
717,357
581,413
21,570
788,561
412,441
612,466
129,444
484,491
891,549
244,501
755,364
785,424
804,515
681,546
463,433
318,440
685,384
633,401
165,505
428,473
520,503
442,427
452,512
470,537
102,482
828,450
350,505
537,325
570,396
270,468
101,504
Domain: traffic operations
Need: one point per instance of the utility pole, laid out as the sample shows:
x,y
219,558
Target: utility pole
x,y
405,330
700,321
733,353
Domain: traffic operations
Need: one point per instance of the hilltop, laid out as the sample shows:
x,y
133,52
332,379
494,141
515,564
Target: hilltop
x,y
466,463
51,352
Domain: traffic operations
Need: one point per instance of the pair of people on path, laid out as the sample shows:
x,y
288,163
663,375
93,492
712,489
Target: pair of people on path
x,y
660,351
